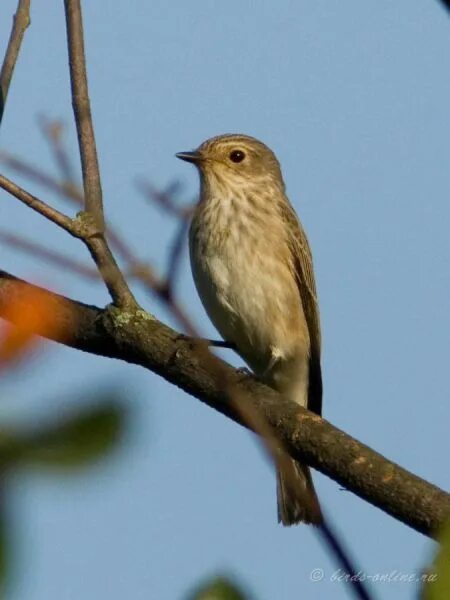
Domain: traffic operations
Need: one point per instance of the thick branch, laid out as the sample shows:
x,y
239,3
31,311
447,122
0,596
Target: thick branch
x,y
138,338
20,23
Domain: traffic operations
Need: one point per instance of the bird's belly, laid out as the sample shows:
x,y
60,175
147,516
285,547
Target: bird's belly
x,y
248,299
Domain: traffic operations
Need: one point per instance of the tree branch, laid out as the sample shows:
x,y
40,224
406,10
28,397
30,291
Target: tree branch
x,y
82,112
20,24
65,189
93,202
137,337
51,256
39,206
445,4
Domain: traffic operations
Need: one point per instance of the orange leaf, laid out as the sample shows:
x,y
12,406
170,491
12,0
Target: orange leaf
x,y
25,315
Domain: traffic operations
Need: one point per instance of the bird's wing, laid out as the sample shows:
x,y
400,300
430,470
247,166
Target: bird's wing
x,y
304,273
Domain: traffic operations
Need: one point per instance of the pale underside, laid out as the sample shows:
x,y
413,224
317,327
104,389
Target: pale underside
x,y
244,273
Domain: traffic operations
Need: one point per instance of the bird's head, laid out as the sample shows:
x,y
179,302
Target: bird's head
x,y
235,159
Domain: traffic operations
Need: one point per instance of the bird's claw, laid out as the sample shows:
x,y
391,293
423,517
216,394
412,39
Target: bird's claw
x,y
244,371
221,344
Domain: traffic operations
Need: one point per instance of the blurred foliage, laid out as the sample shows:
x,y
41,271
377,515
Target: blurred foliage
x,y
75,441
72,442
217,589
4,546
437,585
22,317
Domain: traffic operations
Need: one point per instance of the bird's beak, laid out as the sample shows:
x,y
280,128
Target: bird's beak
x,y
192,157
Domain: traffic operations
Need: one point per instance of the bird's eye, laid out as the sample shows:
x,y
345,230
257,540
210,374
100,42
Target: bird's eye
x,y
237,156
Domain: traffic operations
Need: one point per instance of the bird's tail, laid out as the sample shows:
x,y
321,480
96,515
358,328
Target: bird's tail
x,y
297,498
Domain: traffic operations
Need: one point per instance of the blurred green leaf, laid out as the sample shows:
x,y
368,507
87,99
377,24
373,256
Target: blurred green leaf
x,y
217,589
71,442
83,438
11,447
437,577
3,558
5,545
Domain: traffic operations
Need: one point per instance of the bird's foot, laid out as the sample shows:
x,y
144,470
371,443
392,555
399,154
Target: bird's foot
x,y
221,344
244,371
214,343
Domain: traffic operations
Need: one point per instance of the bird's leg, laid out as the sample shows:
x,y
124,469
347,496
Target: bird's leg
x,y
212,343
221,344
244,371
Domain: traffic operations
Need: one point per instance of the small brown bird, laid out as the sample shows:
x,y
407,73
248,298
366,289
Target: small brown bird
x,y
253,270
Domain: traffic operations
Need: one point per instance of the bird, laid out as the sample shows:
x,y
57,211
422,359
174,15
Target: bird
x,y
252,267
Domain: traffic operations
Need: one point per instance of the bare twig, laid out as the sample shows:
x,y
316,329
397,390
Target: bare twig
x,y
53,131
64,189
445,4
110,272
82,112
164,287
163,198
93,216
67,190
334,544
134,267
84,228
175,254
51,256
144,273
20,23
39,206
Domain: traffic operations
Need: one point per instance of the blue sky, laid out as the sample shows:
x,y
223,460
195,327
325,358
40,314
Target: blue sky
x,y
353,97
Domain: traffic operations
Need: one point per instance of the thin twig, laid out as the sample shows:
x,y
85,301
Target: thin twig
x,y
62,188
182,318
134,267
163,198
52,131
342,557
445,4
67,190
84,228
175,255
39,206
51,256
93,216
82,112
164,288
21,21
